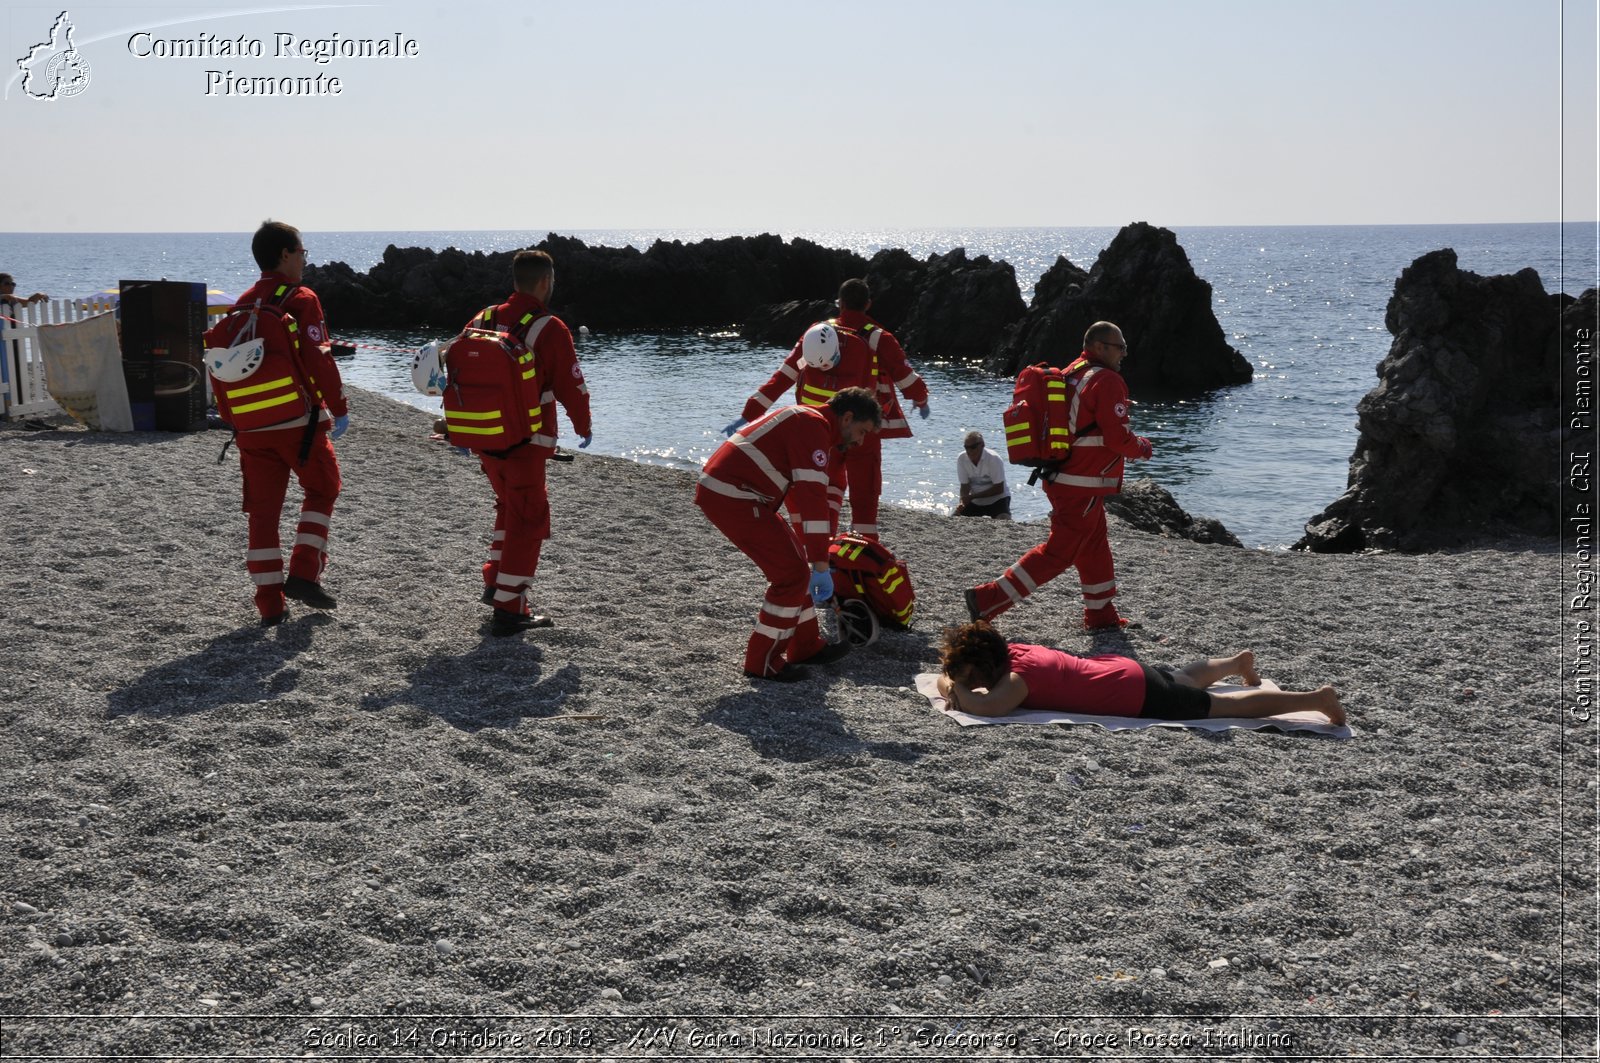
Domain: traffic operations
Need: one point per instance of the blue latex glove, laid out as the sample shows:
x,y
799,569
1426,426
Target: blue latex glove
x,y
586,441
821,586
922,411
733,426
341,425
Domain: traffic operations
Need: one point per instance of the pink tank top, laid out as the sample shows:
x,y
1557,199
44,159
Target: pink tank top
x,y
1059,682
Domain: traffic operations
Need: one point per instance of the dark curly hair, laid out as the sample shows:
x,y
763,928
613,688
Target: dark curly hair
x,y
977,649
271,241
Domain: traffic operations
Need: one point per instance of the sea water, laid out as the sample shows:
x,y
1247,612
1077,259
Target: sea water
x,y
1305,305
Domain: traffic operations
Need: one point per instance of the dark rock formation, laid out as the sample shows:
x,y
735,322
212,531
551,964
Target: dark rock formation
x,y
1460,438
895,279
1143,282
1149,507
710,283
782,324
949,307
946,307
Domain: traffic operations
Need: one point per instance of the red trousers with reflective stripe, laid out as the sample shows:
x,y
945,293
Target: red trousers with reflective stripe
x,y
521,523
786,627
863,469
1077,539
266,459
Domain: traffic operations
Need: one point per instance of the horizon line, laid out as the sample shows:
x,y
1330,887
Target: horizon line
x,y
560,230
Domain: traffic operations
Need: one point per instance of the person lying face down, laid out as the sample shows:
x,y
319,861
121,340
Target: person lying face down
x,y
986,676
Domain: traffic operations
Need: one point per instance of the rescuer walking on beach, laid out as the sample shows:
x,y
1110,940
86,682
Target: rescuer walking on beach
x,y
791,453
511,365
285,401
1077,491
869,357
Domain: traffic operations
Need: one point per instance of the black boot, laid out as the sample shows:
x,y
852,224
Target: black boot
x,y
506,622
303,590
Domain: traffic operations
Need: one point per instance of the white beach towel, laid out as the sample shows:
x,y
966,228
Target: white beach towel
x,y
927,686
83,372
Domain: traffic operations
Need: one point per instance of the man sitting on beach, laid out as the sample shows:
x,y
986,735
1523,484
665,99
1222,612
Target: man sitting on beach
x,y
271,448
793,452
986,676
982,476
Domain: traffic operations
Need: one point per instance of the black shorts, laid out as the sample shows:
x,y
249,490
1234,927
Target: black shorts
x,y
1000,508
1167,699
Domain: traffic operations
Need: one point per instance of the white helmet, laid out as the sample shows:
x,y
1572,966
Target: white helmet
x,y
819,347
232,364
427,369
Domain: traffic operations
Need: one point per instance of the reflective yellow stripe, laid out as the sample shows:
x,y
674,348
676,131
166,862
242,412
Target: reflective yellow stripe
x,y
468,415
467,430
889,588
1018,442
264,403
530,374
1011,428
256,389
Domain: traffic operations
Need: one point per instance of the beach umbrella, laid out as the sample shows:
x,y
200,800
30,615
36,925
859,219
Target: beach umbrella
x,y
218,301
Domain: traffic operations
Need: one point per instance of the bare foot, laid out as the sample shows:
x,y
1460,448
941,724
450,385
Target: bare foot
x,y
1246,663
1330,706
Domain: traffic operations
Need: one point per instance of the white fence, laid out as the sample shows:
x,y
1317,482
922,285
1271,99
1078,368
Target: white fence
x,y
22,388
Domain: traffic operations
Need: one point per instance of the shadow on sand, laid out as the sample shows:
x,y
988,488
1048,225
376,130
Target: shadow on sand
x,y
485,686
246,665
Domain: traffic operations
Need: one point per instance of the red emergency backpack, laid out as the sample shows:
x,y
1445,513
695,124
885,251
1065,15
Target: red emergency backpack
x,y
278,389
492,389
869,572
1044,407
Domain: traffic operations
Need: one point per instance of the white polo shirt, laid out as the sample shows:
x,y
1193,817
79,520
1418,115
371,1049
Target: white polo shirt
x,y
988,472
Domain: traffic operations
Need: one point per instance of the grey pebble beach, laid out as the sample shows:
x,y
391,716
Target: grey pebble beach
x,y
382,811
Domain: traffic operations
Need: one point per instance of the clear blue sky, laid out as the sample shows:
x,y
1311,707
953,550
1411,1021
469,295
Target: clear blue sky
x,y
855,114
